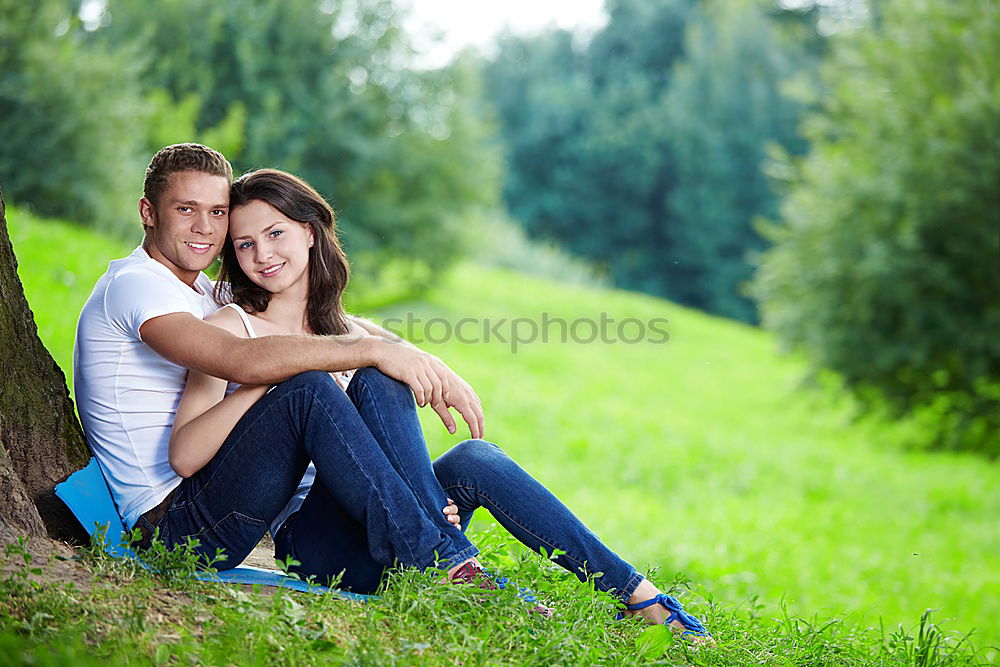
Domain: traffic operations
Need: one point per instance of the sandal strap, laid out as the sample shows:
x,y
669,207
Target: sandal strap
x,y
691,624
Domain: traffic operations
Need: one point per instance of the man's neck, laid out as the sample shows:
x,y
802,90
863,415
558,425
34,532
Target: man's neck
x,y
186,277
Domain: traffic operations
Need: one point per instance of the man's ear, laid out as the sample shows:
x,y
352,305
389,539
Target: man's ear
x,y
147,212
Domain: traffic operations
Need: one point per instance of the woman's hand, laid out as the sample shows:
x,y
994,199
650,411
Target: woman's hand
x,y
451,512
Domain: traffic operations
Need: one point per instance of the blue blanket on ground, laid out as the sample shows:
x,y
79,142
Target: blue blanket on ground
x,y
86,494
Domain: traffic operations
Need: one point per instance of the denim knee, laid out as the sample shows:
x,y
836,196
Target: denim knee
x,y
310,379
469,458
377,382
319,385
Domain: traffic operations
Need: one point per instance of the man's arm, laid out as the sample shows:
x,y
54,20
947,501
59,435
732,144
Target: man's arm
x,y
375,330
198,345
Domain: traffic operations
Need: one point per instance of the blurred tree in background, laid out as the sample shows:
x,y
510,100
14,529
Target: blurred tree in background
x,y
588,155
641,150
68,144
626,164
886,266
324,90
724,108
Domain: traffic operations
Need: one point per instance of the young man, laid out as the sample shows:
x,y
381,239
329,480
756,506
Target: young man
x,y
142,329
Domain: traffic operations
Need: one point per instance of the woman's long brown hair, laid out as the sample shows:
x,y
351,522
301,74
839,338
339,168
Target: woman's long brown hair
x,y
328,267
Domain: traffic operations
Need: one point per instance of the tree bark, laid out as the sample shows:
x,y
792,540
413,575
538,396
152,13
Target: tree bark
x,y
41,441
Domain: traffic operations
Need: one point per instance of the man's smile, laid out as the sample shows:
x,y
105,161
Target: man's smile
x,y
200,248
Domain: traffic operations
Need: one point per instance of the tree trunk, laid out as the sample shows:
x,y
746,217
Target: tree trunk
x,y
41,441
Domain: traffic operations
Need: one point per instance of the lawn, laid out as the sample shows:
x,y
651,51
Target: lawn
x,y
702,455
705,455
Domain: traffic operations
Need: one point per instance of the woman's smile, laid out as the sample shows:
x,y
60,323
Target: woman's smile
x,y
272,270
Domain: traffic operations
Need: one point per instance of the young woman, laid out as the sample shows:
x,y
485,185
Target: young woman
x,y
285,273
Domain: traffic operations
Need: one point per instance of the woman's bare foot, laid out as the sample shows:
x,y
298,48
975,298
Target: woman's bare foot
x,y
655,614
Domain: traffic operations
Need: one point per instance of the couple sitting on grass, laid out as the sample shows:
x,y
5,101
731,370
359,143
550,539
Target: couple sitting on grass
x,y
279,411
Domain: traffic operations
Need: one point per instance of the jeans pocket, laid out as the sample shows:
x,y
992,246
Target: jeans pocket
x,y
146,530
236,534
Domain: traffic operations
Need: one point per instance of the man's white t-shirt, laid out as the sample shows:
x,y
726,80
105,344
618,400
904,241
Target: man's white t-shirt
x,y
126,393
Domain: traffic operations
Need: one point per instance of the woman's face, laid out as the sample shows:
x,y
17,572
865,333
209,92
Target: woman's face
x,y
272,250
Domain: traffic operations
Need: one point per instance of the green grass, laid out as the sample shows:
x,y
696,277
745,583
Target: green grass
x,y
701,456
713,461
123,615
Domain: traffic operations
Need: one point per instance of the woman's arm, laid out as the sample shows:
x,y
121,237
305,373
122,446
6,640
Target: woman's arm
x,y
204,419
205,415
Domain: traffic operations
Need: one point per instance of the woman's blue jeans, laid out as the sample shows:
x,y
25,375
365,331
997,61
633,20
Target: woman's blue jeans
x,y
378,498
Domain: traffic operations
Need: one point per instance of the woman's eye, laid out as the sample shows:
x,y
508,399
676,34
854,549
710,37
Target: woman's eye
x,y
276,232
245,245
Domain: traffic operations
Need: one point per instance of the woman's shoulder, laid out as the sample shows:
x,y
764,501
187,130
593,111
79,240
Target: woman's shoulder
x,y
229,319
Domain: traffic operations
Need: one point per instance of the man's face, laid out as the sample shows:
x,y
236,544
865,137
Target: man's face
x,y
185,230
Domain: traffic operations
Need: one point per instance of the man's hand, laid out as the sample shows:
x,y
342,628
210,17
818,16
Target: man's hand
x,y
432,383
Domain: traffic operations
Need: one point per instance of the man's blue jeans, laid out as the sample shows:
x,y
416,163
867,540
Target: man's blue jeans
x,y
377,499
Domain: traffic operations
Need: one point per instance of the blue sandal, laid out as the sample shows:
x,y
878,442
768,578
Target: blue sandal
x,y
692,626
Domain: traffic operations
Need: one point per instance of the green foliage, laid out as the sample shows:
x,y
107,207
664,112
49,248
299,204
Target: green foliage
x,y
172,122
586,148
322,90
504,243
641,150
68,145
19,579
653,642
182,561
626,157
930,646
724,107
887,264
181,566
178,565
